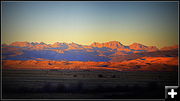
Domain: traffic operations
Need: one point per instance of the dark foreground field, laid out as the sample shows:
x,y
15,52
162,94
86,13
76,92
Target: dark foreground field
x,y
85,84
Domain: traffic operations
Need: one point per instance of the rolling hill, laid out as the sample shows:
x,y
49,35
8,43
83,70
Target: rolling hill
x,y
120,57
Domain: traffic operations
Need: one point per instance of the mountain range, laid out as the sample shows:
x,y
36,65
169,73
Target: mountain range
x,y
108,51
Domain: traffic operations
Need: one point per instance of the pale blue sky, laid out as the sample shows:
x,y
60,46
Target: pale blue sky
x,y
149,23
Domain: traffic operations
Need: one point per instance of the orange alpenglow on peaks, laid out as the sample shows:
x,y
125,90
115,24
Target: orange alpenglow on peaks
x,y
110,44
111,55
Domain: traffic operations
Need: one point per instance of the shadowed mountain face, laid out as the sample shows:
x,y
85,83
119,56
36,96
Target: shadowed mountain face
x,y
108,51
99,69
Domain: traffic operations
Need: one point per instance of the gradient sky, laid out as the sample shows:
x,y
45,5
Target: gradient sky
x,y
148,23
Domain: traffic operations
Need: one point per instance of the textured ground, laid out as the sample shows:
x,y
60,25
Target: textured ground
x,y
69,84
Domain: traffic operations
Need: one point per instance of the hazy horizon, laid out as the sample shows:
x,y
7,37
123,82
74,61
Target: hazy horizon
x,y
147,23
86,44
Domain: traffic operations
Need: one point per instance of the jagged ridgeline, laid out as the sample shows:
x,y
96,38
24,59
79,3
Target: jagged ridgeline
x,y
109,51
